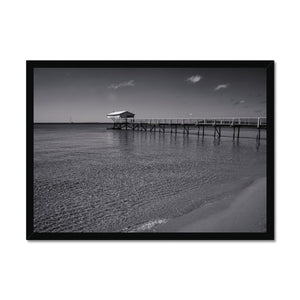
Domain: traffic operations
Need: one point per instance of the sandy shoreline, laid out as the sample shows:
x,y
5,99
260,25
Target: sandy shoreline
x,y
244,213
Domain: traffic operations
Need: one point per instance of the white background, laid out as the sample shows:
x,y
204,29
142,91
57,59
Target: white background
x,y
197,30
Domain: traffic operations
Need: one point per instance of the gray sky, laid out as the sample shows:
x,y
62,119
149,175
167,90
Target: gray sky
x,y
87,95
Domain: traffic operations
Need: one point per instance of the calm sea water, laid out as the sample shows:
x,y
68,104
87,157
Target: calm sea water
x,y
89,179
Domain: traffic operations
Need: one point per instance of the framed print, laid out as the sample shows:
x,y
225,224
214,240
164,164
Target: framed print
x,y
150,150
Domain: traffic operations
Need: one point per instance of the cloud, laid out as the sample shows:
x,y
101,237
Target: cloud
x,y
116,86
237,102
222,86
194,79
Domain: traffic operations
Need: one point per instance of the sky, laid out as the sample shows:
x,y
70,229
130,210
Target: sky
x,y
88,94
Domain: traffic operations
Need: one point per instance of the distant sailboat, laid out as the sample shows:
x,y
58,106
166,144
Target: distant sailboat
x,y
71,121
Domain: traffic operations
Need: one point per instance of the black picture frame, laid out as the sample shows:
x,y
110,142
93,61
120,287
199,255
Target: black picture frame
x,y
268,235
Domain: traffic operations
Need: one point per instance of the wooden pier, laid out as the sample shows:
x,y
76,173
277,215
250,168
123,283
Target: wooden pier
x,y
197,125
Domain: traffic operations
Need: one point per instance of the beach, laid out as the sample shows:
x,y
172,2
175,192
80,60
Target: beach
x,y
246,212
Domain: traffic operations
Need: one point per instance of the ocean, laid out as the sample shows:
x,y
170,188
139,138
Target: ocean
x,y
90,179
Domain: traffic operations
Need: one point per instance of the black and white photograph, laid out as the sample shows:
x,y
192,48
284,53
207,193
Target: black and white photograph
x,y
151,148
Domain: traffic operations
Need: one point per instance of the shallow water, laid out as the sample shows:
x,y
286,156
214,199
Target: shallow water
x,y
89,179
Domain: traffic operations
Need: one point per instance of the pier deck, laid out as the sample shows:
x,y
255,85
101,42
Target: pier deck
x,y
188,124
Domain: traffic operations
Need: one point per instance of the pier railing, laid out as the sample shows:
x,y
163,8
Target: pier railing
x,y
251,121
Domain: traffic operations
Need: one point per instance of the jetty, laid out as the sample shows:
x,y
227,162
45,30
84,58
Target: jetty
x,y
197,125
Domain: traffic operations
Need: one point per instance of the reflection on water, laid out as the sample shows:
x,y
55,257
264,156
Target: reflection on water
x,y
90,179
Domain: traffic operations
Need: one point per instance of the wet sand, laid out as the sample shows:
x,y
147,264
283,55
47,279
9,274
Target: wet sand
x,y
244,213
